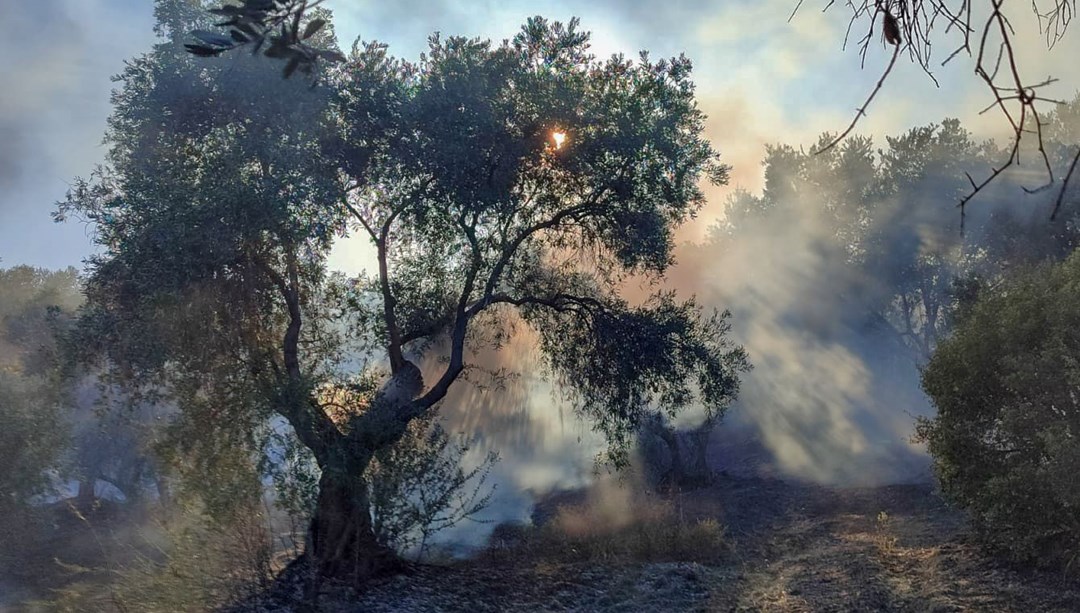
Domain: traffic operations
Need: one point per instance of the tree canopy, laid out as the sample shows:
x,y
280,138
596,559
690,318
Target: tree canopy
x,y
983,32
888,228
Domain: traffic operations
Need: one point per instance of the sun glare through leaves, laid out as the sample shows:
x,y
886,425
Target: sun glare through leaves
x,y
559,138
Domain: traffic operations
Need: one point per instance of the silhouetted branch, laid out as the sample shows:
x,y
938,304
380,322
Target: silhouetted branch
x,y
862,110
910,25
275,27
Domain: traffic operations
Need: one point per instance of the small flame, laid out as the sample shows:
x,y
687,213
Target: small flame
x,y
559,138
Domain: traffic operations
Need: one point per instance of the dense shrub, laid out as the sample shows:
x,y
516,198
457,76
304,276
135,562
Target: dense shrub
x,y
191,562
1007,390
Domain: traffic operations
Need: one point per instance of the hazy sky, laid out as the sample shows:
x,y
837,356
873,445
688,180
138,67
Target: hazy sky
x,y
761,80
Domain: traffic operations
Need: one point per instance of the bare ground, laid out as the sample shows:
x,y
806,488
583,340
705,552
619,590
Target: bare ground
x,y
790,548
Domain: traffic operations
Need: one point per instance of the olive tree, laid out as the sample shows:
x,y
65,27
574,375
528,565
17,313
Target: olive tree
x,y
33,432
521,183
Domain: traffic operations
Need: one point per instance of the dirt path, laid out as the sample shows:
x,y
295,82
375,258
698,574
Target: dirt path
x,y
875,549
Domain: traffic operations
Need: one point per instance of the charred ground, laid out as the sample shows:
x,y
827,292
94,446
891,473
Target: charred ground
x,y
786,547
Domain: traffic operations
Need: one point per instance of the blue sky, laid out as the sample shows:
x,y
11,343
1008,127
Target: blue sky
x,y
761,79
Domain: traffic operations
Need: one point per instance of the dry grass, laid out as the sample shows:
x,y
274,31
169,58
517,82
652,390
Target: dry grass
x,y
884,537
618,526
114,560
800,548
204,567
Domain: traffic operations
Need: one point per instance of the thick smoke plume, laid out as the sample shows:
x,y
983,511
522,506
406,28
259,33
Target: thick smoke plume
x,y
830,399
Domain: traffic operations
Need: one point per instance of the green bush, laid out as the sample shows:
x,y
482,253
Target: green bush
x,y
1007,390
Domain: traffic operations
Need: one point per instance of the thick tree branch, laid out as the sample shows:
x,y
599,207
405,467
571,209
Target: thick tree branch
x,y
560,302
397,358
461,320
435,327
394,349
312,426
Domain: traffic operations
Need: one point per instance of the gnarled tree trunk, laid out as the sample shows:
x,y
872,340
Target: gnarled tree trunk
x,y
695,471
682,460
342,543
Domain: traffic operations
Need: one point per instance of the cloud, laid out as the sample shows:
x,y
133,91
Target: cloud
x,y
58,55
39,71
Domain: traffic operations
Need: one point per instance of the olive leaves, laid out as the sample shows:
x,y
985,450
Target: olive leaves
x,y
276,28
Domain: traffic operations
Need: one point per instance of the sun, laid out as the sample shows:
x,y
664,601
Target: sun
x,y
559,138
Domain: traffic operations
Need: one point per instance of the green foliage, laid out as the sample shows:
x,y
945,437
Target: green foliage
x,y
215,180
1004,438
281,29
33,433
662,352
77,426
32,439
33,305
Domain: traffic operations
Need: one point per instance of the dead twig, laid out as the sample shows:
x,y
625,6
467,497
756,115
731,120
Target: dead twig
x,y
862,110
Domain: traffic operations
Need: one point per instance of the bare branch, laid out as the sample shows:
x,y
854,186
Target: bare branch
x,y
912,24
1065,184
862,110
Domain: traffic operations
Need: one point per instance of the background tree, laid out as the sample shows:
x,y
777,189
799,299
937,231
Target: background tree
x,y
34,429
675,458
983,32
33,435
893,243
36,310
226,190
